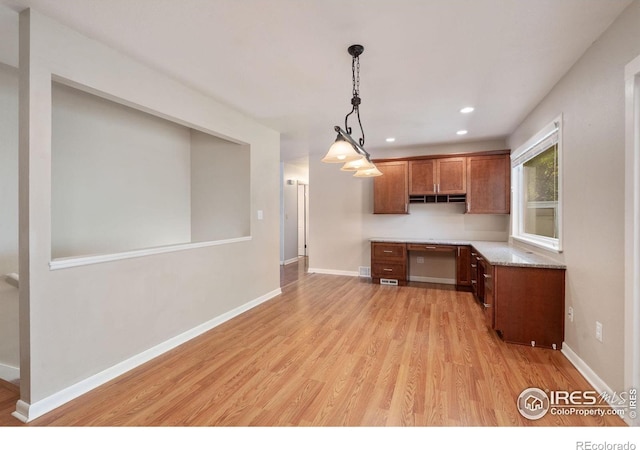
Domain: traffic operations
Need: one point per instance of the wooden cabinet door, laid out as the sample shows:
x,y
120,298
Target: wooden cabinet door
x,y
488,301
452,175
473,268
390,191
422,177
463,266
488,184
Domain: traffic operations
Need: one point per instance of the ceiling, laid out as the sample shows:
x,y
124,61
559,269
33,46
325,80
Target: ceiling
x,y
285,62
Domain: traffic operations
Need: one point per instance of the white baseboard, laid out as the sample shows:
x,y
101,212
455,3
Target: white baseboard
x,y
347,273
10,373
592,378
27,412
289,261
432,280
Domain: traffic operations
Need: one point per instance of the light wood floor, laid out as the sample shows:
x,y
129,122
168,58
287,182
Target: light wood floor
x,y
334,351
294,271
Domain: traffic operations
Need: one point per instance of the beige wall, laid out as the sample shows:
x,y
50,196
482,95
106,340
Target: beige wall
x,y
77,322
120,177
341,218
220,188
591,98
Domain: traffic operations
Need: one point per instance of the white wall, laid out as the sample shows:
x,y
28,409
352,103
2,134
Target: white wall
x,y
77,322
120,177
220,188
591,98
342,219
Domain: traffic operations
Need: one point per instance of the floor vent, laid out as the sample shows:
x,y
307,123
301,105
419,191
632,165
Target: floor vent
x,y
388,282
365,271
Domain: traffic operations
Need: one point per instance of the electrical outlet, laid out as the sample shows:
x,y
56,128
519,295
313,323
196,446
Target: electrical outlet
x,y
570,314
599,331
420,260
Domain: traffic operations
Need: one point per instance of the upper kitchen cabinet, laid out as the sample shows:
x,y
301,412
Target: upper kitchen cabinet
x,y
390,191
488,184
442,176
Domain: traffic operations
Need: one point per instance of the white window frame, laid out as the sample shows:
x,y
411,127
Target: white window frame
x,y
551,134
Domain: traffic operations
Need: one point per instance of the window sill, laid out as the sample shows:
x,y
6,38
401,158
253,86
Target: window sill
x,y
540,244
75,261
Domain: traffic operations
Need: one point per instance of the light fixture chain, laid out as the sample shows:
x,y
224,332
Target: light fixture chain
x,y
355,75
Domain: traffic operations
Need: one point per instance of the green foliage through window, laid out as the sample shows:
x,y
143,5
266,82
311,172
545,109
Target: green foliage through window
x,y
542,176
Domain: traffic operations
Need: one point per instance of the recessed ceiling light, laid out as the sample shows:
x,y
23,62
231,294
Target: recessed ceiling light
x,y
461,132
390,139
467,109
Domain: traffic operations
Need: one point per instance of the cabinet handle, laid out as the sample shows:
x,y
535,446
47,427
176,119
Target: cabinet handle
x,y
434,188
388,270
486,277
474,254
486,305
458,251
473,266
387,251
430,247
474,282
438,190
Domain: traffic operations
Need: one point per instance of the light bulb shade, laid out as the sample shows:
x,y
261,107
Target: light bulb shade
x,y
366,173
358,164
341,152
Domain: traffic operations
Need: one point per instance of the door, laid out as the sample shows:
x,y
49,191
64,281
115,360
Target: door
x,y
391,190
422,177
452,175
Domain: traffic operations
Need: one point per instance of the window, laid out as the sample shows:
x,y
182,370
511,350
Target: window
x,y
537,193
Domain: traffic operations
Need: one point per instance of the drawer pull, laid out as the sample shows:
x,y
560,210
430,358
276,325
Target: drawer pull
x,y
387,251
474,265
486,305
486,276
388,270
474,282
430,247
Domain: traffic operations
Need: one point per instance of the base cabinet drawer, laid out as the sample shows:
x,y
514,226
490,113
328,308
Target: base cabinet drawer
x,y
389,261
388,251
389,270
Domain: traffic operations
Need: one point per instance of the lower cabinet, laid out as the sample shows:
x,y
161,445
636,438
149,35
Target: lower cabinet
x,y
524,305
389,262
489,304
463,266
528,305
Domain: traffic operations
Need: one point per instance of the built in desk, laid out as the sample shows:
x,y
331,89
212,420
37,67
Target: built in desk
x,y
521,293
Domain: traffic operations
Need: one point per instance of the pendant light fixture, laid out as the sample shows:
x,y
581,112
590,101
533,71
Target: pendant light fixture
x,y
345,149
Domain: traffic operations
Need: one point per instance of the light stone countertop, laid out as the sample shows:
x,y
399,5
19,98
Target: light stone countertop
x,y
496,253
